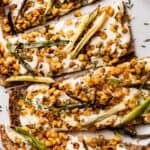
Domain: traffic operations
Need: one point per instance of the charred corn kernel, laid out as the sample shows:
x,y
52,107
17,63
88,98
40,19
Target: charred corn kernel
x,y
115,60
77,13
48,143
106,58
133,62
132,103
119,17
91,142
57,93
18,26
70,5
24,112
88,81
52,99
55,11
25,128
113,27
21,102
125,45
51,134
103,35
147,117
40,135
25,36
50,91
30,96
64,6
16,66
7,28
82,57
68,22
117,138
63,136
110,11
42,121
17,140
125,29
87,113
70,33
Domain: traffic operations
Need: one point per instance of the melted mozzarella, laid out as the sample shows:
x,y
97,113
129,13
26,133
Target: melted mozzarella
x,y
36,87
40,39
72,82
19,38
17,3
132,93
63,97
44,67
22,69
97,61
29,119
70,121
37,99
34,62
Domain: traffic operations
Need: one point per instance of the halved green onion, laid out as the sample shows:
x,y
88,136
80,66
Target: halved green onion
x,y
86,20
42,44
48,9
13,49
98,24
113,110
46,80
136,112
31,139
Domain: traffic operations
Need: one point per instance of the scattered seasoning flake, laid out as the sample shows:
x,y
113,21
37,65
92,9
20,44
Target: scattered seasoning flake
x,y
143,46
0,108
146,24
147,40
129,4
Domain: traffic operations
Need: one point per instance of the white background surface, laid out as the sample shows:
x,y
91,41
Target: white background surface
x,y
140,14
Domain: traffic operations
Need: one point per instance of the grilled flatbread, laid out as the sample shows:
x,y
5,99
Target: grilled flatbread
x,y
71,46
26,14
79,106
25,138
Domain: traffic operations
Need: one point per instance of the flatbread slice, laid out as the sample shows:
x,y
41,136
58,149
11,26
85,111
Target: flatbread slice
x,y
30,13
12,139
40,104
131,74
58,48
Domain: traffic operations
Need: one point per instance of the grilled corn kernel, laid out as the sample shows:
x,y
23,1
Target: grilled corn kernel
x,y
68,22
77,13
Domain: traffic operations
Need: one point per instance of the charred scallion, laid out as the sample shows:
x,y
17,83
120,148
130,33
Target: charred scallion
x,y
98,24
42,44
85,21
46,80
31,139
